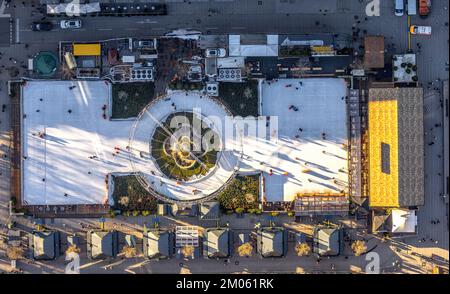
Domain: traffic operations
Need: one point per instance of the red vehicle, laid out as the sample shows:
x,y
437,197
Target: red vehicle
x,y
424,7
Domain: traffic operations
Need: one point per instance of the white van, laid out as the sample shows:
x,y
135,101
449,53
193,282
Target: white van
x,y
399,7
412,7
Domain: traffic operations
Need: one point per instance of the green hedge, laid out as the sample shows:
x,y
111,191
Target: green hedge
x,y
139,199
238,194
167,163
128,99
242,98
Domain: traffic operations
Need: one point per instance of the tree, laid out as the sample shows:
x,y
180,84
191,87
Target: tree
x,y
14,253
129,252
303,249
66,72
73,249
359,247
187,251
245,250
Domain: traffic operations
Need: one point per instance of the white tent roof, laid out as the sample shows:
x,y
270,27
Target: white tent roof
x,y
404,221
231,62
74,9
268,49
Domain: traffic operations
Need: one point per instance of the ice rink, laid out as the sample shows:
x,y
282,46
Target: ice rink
x,y
302,161
57,168
68,146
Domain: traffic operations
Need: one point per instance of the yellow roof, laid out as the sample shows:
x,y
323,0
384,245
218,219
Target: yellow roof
x,y
86,49
383,153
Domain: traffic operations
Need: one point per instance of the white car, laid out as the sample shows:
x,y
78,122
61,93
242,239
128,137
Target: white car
x,y
217,52
399,7
70,24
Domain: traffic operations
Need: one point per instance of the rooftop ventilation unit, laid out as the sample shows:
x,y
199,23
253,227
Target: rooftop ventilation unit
x,y
142,74
230,74
212,89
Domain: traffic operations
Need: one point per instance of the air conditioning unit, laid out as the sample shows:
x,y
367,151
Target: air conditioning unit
x,y
142,74
230,74
212,89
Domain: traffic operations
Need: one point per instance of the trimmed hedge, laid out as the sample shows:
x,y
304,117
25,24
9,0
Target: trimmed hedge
x,y
129,195
241,195
167,164
241,98
128,99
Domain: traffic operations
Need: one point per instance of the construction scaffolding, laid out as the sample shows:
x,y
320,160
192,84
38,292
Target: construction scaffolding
x,y
321,205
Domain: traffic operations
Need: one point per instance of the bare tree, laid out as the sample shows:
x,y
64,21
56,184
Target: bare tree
x,y
73,249
302,249
66,72
187,251
129,251
359,247
245,250
14,253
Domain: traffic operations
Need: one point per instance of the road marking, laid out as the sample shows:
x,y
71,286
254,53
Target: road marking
x,y
104,29
10,31
146,21
211,28
17,30
409,32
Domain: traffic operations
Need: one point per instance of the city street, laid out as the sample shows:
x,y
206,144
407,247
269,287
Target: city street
x,y
18,43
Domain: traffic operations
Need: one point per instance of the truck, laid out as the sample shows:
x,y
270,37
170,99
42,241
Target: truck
x,y
412,7
424,7
420,30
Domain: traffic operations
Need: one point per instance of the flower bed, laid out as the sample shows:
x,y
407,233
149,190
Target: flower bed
x,y
128,99
129,195
241,195
241,98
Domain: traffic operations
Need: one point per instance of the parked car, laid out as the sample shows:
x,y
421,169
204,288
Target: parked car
x,y
144,44
70,24
412,7
399,7
42,26
217,52
424,8
420,30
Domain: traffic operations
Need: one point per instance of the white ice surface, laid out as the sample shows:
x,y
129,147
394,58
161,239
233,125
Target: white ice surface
x,y
62,158
321,110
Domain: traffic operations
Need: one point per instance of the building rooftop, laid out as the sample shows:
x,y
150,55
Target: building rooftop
x,y
396,160
217,242
158,244
272,242
327,242
209,210
102,244
45,245
374,52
